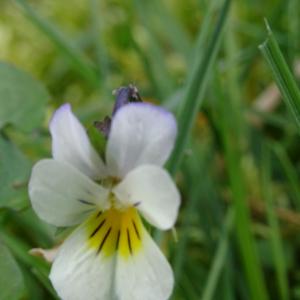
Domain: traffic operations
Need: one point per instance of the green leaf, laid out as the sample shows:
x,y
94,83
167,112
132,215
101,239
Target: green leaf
x,y
22,99
226,122
14,173
11,278
196,87
282,74
37,266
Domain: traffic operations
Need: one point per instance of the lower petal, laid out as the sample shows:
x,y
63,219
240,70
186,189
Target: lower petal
x,y
146,275
78,272
111,257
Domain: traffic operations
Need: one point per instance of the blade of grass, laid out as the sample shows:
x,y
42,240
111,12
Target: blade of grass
x,y
76,59
275,238
189,293
227,280
101,55
203,34
155,16
173,30
290,173
245,240
275,119
233,77
199,45
231,127
196,169
150,47
196,87
293,8
282,74
151,71
183,241
219,259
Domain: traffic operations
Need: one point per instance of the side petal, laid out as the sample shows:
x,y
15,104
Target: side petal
x,y
71,144
61,195
152,191
145,275
140,134
78,272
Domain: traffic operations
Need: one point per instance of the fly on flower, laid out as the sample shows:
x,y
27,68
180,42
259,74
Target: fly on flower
x,y
110,255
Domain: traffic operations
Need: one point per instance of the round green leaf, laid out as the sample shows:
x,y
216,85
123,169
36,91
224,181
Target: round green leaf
x,y
22,98
11,278
14,174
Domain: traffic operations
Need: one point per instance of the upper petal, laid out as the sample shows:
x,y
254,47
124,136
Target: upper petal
x,y
61,195
71,144
152,190
140,134
146,275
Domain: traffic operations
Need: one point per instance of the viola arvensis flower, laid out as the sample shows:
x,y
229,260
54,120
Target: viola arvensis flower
x,y
110,255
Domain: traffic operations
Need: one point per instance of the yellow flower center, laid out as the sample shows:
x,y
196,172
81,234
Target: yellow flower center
x,y
115,230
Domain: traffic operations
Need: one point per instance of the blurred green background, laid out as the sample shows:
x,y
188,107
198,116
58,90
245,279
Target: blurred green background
x,y
236,160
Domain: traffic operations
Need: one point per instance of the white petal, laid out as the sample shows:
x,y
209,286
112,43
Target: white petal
x,y
146,275
71,144
140,134
78,272
61,195
124,270
152,190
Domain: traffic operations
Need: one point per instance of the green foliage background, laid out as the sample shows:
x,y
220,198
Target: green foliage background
x,y
236,160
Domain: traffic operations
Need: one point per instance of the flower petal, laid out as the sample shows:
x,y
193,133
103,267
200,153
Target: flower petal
x,y
152,190
146,275
61,195
107,265
78,272
140,134
71,144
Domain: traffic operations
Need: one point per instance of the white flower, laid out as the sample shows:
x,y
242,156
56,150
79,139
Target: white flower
x,y
110,255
